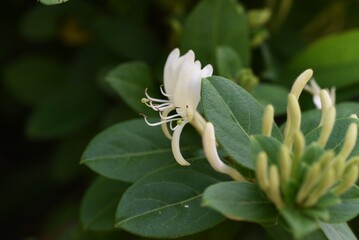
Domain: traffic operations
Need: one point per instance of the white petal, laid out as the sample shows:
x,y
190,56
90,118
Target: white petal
x,y
175,145
207,71
169,77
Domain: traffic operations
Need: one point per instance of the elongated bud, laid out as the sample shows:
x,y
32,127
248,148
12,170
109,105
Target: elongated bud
x,y
325,99
268,118
262,171
310,181
198,122
323,186
300,82
351,163
328,118
353,116
274,186
326,160
285,163
293,120
299,144
349,141
348,182
210,150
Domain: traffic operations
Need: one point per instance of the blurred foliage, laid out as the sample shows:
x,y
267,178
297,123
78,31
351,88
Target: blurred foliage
x,y
55,92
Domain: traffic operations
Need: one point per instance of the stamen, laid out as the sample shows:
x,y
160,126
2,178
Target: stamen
x,y
163,92
158,123
154,99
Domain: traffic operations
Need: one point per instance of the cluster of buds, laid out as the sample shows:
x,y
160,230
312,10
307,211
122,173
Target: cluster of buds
x,y
328,173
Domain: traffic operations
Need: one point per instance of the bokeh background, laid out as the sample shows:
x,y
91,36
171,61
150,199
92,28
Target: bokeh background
x,y
54,99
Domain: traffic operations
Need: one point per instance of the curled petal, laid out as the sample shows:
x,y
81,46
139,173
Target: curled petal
x,y
207,71
175,145
169,73
210,150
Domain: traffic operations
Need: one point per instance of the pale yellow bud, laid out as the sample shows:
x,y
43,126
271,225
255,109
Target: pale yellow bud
x,y
300,82
328,118
210,150
348,182
268,118
349,141
262,171
274,186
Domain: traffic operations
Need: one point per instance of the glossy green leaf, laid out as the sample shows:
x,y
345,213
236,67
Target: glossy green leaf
x,y
130,80
98,206
235,115
272,94
300,224
347,209
334,60
129,150
33,79
337,136
269,145
340,231
215,23
240,201
167,202
228,62
71,109
311,118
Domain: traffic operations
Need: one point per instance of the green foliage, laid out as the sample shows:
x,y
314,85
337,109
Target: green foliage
x,y
215,23
129,80
162,203
240,201
129,150
99,204
332,58
73,69
235,114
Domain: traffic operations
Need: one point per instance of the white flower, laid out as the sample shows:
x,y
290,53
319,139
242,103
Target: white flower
x,y
314,89
182,86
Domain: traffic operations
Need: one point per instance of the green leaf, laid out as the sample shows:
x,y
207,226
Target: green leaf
x,y
269,145
228,62
98,206
272,94
129,150
300,224
215,23
52,2
347,209
70,110
33,79
339,71
311,118
235,115
240,201
167,202
130,80
340,231
336,139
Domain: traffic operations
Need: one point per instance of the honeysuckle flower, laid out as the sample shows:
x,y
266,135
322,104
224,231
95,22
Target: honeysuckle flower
x,y
182,87
210,150
331,172
314,89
